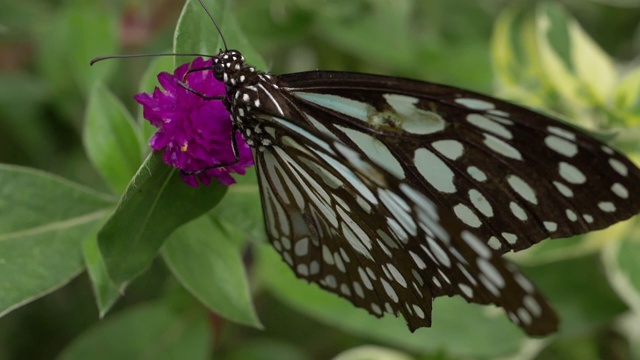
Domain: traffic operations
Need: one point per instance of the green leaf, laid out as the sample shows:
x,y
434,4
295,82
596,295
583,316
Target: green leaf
x,y
628,93
346,23
196,32
209,264
628,262
111,139
241,208
151,331
156,202
579,291
79,33
44,221
460,328
550,20
592,65
105,291
620,259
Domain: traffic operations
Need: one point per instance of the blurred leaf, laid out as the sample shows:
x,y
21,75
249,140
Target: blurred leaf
x,y
111,138
208,263
104,290
459,328
628,262
261,349
628,93
151,331
579,291
592,64
196,32
517,67
25,132
620,259
347,23
241,208
44,221
156,202
551,20
370,352
79,33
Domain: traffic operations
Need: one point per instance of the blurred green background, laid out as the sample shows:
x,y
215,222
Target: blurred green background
x,y
490,46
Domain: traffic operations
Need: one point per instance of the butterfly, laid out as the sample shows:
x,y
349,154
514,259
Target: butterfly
x,y
391,192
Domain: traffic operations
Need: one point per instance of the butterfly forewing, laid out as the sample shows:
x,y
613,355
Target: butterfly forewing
x,y
513,175
391,192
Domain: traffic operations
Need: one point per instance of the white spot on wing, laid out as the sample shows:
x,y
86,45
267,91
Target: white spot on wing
x,y
501,147
434,170
376,151
413,119
480,202
561,146
618,166
464,213
620,190
522,188
451,149
349,107
475,104
562,132
477,174
571,173
489,125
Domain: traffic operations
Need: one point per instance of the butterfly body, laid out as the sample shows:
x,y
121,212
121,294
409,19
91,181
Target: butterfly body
x,y
390,192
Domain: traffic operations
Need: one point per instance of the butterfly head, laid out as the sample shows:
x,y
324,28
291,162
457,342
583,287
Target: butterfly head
x,y
230,68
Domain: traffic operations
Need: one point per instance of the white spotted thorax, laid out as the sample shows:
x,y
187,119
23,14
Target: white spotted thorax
x,y
391,192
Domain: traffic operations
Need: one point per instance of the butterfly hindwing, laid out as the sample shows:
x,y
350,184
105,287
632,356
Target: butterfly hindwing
x,y
345,223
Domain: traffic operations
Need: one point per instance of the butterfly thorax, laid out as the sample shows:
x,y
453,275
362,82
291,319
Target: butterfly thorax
x,y
245,88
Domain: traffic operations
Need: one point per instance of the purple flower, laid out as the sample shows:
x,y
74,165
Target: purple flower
x,y
194,133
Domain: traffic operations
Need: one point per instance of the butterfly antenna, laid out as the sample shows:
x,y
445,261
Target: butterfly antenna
x,y
100,58
224,42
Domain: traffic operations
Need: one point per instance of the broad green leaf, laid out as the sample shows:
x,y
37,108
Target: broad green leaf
x,y
196,32
151,331
110,139
241,208
209,264
459,328
156,202
104,290
44,221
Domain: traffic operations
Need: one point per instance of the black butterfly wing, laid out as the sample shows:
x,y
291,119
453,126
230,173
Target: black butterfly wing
x,y
340,220
513,176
